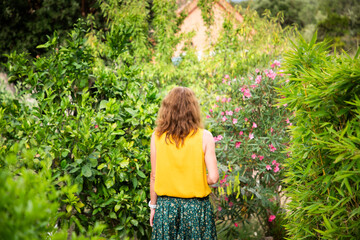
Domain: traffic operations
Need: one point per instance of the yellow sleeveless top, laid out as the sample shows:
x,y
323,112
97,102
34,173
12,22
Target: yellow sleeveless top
x,y
181,172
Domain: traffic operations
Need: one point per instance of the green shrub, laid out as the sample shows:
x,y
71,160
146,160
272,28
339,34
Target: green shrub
x,y
323,170
94,123
28,203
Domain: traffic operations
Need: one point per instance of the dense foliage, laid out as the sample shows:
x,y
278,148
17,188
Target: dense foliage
x,y
335,20
323,170
25,24
94,122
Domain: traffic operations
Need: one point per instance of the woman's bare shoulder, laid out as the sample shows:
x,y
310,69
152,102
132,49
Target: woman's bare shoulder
x,y
207,135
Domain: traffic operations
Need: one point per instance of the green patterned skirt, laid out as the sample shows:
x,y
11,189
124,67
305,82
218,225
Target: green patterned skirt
x,y
183,218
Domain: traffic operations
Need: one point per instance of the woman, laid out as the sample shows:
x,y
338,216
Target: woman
x,y
181,151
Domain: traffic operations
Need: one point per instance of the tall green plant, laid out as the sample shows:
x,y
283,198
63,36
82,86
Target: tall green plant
x,y
323,170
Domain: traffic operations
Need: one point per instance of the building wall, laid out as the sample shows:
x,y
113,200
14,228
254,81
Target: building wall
x,y
194,22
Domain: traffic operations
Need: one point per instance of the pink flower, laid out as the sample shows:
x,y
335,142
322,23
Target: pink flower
x,y
261,158
253,86
224,80
245,119
271,130
236,224
237,144
211,110
253,156
234,121
226,198
241,133
272,218
285,105
251,136
218,138
257,70
222,113
230,113
215,106
237,109
247,93
217,98
229,99
96,126
277,63
268,167
287,120
219,209
287,80
254,125
273,162
276,169
258,79
226,76
224,119
223,99
231,204
208,116
271,74
272,148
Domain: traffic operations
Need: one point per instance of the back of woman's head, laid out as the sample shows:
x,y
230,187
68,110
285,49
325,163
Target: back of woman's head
x,y
179,115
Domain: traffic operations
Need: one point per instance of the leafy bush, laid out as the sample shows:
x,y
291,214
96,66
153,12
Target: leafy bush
x,y
250,134
28,202
323,170
94,123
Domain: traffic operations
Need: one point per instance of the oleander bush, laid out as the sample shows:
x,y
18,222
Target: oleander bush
x,y
250,131
323,172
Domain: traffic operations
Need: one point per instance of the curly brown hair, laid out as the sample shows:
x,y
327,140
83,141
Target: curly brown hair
x,y
179,115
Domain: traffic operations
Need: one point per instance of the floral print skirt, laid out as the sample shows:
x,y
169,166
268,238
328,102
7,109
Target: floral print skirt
x,y
183,218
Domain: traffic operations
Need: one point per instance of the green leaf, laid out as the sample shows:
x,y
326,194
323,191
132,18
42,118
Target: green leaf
x,y
141,174
117,207
103,104
134,181
134,222
110,182
131,111
113,215
101,166
63,163
64,153
86,171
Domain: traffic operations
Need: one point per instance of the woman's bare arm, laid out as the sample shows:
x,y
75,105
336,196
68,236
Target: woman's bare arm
x,y
153,195
210,158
